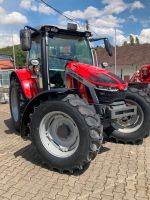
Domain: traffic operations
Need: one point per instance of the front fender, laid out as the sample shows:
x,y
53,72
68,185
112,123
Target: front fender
x,y
53,94
28,84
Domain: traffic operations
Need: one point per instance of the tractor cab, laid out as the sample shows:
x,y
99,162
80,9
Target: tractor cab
x,y
54,48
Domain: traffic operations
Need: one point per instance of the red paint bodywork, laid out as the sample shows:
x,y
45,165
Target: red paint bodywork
x,y
28,84
30,89
138,76
86,71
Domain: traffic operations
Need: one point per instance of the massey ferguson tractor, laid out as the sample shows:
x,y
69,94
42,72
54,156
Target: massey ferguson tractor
x,y
63,103
141,79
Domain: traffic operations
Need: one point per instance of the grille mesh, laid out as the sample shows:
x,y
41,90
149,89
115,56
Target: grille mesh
x,y
109,97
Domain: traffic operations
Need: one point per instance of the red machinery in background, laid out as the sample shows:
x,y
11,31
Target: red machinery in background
x,y
141,79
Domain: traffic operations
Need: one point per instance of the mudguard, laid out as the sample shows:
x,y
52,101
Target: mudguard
x,y
28,84
56,94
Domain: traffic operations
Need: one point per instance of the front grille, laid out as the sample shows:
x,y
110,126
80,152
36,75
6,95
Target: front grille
x,y
109,97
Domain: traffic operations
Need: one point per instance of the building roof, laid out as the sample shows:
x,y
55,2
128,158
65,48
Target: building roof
x,y
126,55
6,62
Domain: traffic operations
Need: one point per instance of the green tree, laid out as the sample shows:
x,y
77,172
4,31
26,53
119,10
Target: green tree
x,y
99,47
131,40
125,43
87,25
20,55
137,41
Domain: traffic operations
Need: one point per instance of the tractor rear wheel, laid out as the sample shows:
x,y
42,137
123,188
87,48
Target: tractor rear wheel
x,y
67,133
17,103
134,128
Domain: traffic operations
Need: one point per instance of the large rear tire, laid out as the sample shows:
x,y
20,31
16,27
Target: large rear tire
x,y
67,133
132,129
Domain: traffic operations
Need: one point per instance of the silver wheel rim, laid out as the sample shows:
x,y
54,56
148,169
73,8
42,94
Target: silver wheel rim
x,y
59,134
131,124
14,104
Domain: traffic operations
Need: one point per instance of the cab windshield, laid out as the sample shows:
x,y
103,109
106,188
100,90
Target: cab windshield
x,y
65,48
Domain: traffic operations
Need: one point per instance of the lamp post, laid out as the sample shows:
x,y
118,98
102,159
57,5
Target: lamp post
x,y
14,56
115,53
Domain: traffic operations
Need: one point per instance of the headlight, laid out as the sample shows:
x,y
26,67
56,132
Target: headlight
x,y
111,89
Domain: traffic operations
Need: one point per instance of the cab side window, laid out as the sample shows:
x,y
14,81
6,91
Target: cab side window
x,y
35,52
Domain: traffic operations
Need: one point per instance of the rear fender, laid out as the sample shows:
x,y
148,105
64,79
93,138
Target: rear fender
x,y
28,84
54,94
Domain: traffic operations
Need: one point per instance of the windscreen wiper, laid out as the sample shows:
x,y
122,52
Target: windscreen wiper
x,y
61,58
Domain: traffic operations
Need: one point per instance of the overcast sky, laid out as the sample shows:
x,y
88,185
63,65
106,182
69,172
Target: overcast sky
x,y
127,16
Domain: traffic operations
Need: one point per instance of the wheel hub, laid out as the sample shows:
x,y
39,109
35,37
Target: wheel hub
x,y
59,134
63,131
131,123
128,121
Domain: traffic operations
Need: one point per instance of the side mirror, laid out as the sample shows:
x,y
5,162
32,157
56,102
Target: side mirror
x,y
25,39
34,62
108,47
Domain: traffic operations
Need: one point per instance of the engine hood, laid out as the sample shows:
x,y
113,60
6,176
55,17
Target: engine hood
x,y
97,75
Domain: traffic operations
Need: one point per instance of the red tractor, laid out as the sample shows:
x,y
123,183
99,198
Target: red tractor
x,y
141,79
63,102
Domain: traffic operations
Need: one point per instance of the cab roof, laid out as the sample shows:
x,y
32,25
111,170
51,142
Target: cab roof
x,y
59,30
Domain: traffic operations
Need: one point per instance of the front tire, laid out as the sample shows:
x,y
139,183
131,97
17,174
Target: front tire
x,y
17,103
132,129
67,133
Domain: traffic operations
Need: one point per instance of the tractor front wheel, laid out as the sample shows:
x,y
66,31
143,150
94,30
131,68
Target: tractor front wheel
x,y
17,103
67,133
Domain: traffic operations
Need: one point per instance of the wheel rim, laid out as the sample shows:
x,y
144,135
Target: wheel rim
x,y
59,134
15,104
132,123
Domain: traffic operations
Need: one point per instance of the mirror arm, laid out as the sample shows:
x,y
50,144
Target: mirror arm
x,y
106,42
96,39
